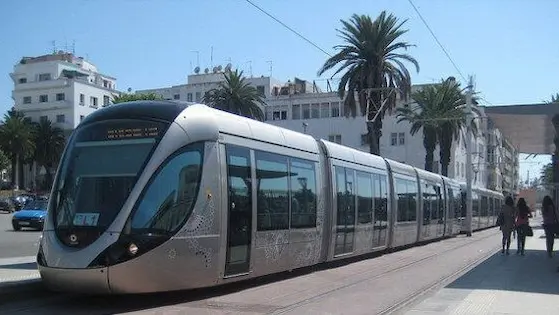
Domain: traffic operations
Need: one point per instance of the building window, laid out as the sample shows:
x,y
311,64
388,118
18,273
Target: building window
x,y
22,80
260,89
43,98
306,111
401,138
44,76
82,117
27,100
393,139
60,118
177,96
335,138
315,111
93,101
106,100
324,110
296,112
198,96
43,118
335,109
82,99
189,97
60,96
279,115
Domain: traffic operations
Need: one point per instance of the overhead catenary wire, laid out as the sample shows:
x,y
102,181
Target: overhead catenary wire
x,y
437,40
289,28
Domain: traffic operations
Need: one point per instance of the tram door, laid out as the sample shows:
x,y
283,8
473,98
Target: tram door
x,y
239,225
345,225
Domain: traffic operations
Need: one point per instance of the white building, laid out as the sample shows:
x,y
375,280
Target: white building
x,y
199,83
60,87
302,107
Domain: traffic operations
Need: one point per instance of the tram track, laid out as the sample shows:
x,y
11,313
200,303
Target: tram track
x,y
413,295
197,301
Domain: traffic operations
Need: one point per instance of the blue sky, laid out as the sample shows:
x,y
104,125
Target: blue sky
x,y
509,45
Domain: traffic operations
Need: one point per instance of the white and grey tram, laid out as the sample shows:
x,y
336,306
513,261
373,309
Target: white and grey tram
x,y
158,196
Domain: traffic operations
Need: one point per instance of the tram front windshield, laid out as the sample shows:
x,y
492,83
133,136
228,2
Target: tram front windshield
x,y
100,168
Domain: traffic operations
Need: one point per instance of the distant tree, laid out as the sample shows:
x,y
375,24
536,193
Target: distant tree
x,y
49,144
124,97
554,98
546,176
4,161
236,96
16,140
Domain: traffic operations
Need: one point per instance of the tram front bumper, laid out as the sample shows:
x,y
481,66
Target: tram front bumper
x,y
87,281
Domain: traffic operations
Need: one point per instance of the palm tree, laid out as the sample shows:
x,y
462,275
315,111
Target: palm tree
x,y
16,140
454,119
424,115
373,68
236,96
49,144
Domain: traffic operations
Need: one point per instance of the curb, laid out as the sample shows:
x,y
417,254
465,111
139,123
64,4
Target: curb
x,y
19,286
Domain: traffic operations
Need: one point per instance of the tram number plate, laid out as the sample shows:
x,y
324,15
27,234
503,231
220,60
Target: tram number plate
x,y
24,223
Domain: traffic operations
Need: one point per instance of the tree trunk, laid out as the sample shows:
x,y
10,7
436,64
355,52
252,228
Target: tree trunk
x,y
429,143
445,147
13,160
20,167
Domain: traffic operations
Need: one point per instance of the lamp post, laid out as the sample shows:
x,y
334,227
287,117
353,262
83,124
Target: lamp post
x,y
469,158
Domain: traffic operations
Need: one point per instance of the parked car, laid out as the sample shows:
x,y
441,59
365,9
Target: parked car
x,y
32,215
7,205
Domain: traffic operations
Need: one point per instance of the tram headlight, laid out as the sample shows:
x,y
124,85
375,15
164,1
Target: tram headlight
x,y
132,249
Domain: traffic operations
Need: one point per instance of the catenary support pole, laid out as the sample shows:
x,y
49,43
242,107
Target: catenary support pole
x,y
469,157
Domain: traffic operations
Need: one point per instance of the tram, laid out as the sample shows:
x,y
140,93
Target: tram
x,y
157,196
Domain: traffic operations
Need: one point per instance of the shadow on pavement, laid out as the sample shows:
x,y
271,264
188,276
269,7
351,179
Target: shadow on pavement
x,y
532,273
22,266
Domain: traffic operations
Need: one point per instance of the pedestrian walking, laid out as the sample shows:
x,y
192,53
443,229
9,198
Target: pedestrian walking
x,y
506,222
550,223
522,224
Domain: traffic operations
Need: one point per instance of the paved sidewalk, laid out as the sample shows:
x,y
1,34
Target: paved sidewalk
x,y
18,269
503,284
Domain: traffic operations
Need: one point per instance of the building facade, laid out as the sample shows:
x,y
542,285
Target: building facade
x,y
303,107
60,87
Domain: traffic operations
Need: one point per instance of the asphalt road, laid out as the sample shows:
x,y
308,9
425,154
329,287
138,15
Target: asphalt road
x,y
16,244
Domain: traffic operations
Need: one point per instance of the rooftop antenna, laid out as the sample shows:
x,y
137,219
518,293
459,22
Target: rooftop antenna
x,y
271,67
74,46
211,56
197,57
53,42
65,45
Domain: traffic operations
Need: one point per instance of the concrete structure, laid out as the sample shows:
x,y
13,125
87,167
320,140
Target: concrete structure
x,y
60,87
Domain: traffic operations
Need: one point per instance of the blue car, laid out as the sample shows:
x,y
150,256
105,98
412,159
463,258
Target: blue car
x,y
32,215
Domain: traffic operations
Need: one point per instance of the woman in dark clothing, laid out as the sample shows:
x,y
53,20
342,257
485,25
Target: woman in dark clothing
x,y
507,223
522,224
549,223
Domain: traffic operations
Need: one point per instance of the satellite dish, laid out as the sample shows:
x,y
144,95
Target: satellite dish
x,y
228,67
197,70
214,70
206,70
219,68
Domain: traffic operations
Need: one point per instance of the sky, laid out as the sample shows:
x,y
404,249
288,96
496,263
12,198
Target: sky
x,y
509,46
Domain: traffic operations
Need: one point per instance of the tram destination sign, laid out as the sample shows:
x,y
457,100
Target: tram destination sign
x,y
132,133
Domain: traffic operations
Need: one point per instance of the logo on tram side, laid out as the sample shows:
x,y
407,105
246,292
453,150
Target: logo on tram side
x,y
73,239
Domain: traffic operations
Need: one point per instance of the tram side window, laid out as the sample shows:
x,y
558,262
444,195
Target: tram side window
x,y
303,193
428,212
439,203
168,201
406,192
380,200
491,207
364,198
272,184
346,196
475,204
483,211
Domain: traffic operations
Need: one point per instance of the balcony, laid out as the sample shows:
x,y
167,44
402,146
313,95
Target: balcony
x,y
48,84
37,107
